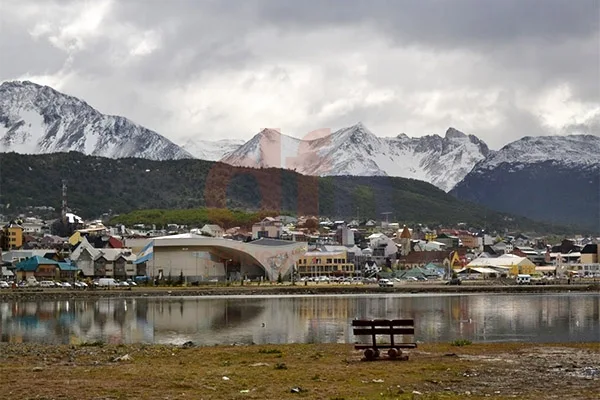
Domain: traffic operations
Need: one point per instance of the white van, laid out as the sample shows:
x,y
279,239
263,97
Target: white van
x,y
47,284
102,282
31,281
523,279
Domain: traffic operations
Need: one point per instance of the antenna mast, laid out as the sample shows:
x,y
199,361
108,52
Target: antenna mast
x,y
64,200
387,217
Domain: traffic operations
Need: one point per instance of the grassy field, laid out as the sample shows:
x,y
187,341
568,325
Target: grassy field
x,y
310,371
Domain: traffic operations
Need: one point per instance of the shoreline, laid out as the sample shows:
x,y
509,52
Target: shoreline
x,y
286,289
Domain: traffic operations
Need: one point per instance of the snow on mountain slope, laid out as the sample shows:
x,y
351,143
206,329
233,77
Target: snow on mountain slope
x,y
268,148
572,150
37,119
211,150
548,178
357,151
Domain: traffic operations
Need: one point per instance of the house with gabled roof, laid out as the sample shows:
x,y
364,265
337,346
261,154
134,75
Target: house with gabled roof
x,y
106,262
422,258
42,268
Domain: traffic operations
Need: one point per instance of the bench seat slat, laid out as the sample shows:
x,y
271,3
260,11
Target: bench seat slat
x,y
384,331
361,346
383,322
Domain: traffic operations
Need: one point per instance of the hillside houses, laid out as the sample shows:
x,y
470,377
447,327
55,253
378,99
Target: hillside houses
x,y
357,248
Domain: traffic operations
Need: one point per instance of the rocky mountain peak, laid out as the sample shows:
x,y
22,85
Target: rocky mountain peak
x,y
453,133
38,119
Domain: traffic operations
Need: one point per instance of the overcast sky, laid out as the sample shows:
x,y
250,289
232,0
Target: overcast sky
x,y
214,69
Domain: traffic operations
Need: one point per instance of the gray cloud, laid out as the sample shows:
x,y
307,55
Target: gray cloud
x,y
497,69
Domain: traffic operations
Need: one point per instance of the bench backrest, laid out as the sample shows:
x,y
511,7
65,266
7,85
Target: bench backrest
x,y
383,327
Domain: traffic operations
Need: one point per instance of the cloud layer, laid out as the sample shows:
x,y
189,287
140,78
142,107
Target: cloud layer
x,y
212,69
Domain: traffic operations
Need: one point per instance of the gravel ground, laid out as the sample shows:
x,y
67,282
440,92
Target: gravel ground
x,y
313,371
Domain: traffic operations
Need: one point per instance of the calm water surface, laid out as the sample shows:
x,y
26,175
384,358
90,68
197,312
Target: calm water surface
x,y
301,319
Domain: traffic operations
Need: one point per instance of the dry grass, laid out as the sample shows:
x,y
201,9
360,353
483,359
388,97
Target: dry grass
x,y
328,371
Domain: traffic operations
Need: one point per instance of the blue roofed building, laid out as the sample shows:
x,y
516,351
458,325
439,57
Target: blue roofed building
x,y
42,268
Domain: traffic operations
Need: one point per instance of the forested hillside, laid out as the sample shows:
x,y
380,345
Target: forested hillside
x,y
98,186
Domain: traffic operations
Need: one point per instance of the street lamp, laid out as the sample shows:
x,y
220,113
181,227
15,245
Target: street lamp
x,y
226,276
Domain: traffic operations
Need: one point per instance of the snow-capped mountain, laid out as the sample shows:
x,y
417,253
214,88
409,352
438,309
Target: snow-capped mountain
x,y
570,151
38,119
442,161
211,150
548,178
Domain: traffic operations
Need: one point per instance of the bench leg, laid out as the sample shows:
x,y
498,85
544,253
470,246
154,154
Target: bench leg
x,y
393,353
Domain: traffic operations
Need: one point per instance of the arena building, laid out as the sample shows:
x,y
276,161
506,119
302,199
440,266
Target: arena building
x,y
201,258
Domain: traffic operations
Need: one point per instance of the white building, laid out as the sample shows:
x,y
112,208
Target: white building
x,y
269,227
213,230
107,262
382,245
203,258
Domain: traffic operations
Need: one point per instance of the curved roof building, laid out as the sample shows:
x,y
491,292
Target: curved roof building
x,y
209,258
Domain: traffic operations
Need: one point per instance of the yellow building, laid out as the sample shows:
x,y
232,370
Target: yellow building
x,y
510,264
13,236
324,263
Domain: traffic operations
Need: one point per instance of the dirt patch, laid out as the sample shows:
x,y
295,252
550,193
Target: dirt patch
x,y
550,372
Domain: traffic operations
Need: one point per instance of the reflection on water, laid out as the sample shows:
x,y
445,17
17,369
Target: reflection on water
x,y
301,319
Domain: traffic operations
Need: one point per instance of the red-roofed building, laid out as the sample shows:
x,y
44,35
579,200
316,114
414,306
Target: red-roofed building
x,y
115,243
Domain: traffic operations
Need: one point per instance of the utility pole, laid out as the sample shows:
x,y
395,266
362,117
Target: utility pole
x,y
64,201
387,217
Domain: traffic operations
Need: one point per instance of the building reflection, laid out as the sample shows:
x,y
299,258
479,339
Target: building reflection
x,y
304,319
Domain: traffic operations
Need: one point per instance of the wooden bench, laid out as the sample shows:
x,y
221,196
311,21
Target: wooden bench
x,y
390,328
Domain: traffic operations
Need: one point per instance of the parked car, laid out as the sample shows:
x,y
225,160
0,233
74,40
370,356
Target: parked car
x,y
80,285
47,284
4,285
66,285
385,283
454,281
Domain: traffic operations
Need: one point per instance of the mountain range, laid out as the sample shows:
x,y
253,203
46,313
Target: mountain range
x,y
553,178
356,151
37,119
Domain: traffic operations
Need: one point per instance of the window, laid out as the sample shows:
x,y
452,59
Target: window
x,y
329,261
